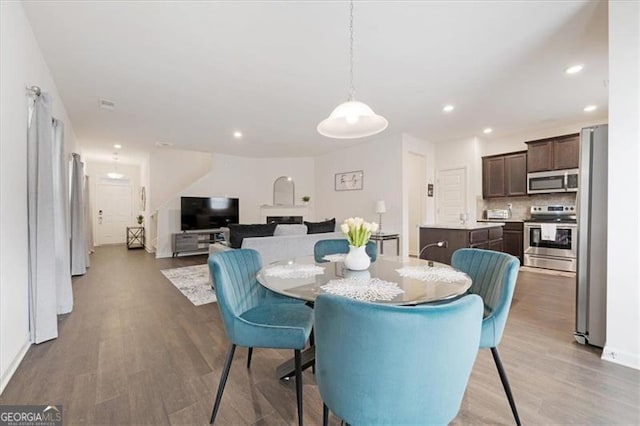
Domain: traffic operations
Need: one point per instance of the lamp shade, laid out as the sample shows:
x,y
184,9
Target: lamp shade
x,y
381,207
351,120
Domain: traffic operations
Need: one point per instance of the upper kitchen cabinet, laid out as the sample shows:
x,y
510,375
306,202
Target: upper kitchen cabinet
x,y
557,153
504,175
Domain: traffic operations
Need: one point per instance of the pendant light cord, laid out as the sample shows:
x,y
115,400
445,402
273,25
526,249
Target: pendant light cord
x,y
352,89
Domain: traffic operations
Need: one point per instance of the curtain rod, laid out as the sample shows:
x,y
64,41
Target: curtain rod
x,y
34,90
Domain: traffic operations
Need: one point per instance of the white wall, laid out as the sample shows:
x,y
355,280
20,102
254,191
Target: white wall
x,y
623,274
411,144
21,65
171,170
249,179
381,162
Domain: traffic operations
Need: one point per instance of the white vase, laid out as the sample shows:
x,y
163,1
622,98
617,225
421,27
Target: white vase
x,y
357,259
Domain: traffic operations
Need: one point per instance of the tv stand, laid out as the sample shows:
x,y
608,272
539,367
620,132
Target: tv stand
x,y
195,242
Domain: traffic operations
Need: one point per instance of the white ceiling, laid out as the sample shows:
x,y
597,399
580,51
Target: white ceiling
x,y
190,73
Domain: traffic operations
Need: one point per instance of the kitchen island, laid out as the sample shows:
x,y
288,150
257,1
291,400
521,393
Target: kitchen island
x,y
482,235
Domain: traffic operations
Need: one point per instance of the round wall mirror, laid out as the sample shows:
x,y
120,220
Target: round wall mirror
x,y
284,191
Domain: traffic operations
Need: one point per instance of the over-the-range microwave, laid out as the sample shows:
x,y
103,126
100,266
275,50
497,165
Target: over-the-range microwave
x,y
554,181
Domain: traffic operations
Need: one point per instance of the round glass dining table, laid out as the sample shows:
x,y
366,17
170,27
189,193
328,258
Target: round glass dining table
x,y
403,281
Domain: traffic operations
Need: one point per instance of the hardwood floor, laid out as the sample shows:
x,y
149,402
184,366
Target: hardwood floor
x,y
136,351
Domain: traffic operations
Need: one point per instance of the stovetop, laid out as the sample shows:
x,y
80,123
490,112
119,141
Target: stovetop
x,y
553,214
551,220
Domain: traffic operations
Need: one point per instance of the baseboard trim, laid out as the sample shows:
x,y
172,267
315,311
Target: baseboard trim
x,y
621,357
6,377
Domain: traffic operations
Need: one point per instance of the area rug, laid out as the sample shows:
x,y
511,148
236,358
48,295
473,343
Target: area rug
x,y
193,282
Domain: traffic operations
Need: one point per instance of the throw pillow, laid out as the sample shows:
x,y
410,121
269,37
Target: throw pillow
x,y
321,227
237,233
287,229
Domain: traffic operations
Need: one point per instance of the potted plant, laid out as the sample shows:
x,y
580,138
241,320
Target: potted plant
x,y
358,233
306,199
140,219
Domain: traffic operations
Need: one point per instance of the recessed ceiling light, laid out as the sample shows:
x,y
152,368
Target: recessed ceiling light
x,y
117,146
590,108
573,69
237,134
448,108
115,175
487,130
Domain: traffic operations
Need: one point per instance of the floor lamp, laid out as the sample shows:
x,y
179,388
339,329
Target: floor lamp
x,y
381,209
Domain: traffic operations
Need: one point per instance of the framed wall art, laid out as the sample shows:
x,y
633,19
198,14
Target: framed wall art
x,y
349,181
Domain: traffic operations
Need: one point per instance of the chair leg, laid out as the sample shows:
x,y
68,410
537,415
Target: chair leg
x,y
223,381
249,358
325,415
298,360
505,384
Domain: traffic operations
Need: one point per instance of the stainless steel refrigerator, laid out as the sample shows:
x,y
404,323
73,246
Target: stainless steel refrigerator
x,y
591,277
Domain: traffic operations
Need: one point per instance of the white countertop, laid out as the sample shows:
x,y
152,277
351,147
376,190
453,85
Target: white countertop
x,y
469,226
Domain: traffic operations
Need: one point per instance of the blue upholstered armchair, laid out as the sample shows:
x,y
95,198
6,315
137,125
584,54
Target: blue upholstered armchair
x,y
254,316
494,276
325,247
382,364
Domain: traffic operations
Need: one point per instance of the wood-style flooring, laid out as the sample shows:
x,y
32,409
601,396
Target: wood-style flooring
x,y
136,351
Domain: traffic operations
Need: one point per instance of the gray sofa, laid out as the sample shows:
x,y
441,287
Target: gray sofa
x,y
288,242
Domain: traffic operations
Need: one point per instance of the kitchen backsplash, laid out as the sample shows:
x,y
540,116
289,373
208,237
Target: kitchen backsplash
x,y
521,205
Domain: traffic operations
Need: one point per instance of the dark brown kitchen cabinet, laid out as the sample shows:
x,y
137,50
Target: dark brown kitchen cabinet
x,y
504,175
493,183
484,238
512,239
557,153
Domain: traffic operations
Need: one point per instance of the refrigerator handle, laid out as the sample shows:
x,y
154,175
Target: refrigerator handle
x,y
582,281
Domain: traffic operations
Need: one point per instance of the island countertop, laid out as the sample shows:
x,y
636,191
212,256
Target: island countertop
x,y
471,226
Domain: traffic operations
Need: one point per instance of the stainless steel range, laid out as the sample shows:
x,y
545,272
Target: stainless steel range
x,y
551,238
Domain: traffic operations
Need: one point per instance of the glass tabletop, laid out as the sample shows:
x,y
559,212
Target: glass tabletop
x,y
421,281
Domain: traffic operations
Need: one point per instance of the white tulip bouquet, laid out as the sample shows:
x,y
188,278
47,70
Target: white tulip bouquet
x,y
358,231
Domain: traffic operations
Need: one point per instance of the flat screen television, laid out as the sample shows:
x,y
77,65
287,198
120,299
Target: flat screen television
x,y
208,213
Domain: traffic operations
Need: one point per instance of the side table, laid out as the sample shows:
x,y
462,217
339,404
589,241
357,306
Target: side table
x,y
135,237
380,238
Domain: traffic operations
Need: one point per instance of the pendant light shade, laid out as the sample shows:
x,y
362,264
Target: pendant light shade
x,y
350,120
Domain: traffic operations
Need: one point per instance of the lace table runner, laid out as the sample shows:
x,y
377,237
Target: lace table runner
x,y
369,290
295,270
429,273
338,257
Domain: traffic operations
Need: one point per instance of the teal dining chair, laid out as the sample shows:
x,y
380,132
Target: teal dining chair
x,y
338,246
255,317
395,365
494,276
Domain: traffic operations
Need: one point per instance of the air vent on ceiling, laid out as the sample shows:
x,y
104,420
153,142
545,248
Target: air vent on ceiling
x,y
107,104
163,144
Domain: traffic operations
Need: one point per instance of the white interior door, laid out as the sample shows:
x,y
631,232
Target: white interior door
x,y
113,213
417,199
451,195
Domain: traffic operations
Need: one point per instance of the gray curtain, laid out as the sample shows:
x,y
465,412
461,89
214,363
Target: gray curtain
x,y
79,251
61,221
43,323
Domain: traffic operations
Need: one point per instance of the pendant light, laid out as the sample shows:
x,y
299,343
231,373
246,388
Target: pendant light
x,y
352,119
